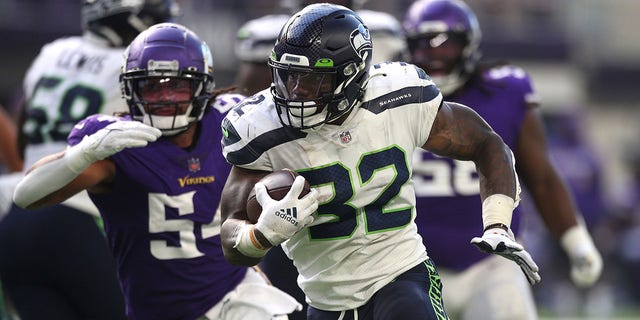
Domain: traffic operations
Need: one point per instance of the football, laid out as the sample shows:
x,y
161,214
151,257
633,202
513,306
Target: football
x,y
278,184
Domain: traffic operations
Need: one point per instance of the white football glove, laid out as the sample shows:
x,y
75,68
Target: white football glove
x,y
108,141
502,242
280,220
586,262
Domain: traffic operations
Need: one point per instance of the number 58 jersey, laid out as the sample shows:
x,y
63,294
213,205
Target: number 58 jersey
x,y
70,79
363,235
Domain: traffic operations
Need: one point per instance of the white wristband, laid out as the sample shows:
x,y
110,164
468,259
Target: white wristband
x,y
575,237
497,209
247,243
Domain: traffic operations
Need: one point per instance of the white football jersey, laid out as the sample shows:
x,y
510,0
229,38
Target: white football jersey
x,y
364,235
70,79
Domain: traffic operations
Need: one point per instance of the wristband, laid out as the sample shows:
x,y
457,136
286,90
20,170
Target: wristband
x,y
497,209
496,225
247,243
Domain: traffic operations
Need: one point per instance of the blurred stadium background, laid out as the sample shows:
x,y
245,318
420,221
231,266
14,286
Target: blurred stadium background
x,y
584,58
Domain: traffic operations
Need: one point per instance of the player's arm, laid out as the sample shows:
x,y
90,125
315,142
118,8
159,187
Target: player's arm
x,y
46,183
244,243
234,215
9,151
554,200
459,132
57,177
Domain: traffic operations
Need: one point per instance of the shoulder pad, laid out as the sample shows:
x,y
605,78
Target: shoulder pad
x,y
226,101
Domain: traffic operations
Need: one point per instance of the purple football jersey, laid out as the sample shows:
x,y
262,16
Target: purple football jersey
x,y
448,195
161,223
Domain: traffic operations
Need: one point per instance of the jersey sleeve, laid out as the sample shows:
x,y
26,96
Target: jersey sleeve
x,y
517,80
252,129
408,88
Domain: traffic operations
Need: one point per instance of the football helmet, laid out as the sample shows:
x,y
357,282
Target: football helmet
x,y
296,5
443,38
255,39
171,58
119,21
319,65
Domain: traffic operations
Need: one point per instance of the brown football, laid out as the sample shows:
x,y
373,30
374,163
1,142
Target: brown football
x,y
278,184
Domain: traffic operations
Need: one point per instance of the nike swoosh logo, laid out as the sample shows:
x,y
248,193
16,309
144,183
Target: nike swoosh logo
x,y
225,132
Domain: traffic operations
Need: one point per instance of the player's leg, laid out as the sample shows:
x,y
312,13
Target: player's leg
x,y
86,271
415,294
493,289
55,265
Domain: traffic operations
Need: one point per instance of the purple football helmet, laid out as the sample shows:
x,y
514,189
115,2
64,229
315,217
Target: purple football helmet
x,y
444,24
168,55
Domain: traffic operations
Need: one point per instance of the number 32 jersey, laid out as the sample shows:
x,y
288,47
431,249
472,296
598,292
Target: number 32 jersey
x,y
364,234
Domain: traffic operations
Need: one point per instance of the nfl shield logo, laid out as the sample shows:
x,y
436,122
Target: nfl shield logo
x,y
193,164
345,137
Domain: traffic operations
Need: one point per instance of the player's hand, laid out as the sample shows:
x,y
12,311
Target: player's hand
x,y
280,220
502,242
586,262
111,140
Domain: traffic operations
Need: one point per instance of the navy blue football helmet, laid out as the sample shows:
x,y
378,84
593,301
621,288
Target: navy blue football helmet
x,y
119,21
319,65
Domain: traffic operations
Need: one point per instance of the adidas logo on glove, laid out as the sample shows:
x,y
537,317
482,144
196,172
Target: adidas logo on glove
x,y
289,214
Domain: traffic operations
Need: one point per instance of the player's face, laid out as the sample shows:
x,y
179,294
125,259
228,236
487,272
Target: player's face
x,y
436,54
165,96
304,85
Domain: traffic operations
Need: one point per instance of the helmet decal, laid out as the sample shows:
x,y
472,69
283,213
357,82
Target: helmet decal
x,y
361,40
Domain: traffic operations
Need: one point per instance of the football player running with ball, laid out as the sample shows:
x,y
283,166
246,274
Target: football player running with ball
x,y
350,130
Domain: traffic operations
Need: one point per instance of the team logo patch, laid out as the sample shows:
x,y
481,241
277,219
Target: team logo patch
x,y
345,137
193,164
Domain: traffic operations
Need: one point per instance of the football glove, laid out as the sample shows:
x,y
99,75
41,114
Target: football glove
x,y
109,140
281,219
502,242
586,262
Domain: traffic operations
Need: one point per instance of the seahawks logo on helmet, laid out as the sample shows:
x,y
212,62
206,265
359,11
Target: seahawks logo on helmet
x,y
361,40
